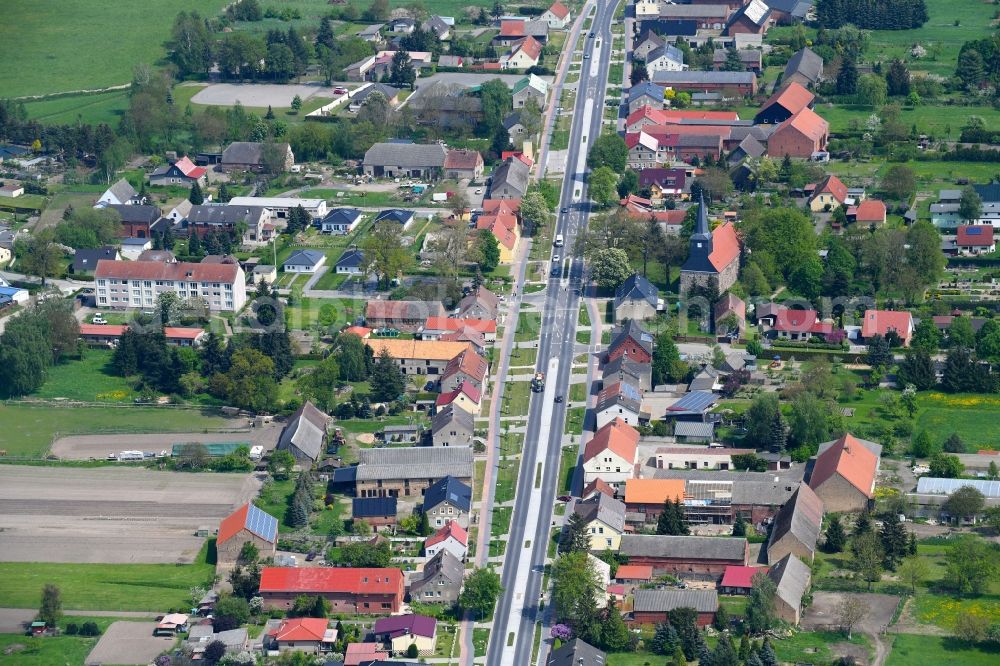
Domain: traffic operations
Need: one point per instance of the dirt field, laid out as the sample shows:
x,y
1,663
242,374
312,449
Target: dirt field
x,y
85,447
113,515
128,643
257,95
822,614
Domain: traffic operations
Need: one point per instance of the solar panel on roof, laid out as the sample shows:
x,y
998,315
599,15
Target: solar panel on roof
x,y
262,524
974,231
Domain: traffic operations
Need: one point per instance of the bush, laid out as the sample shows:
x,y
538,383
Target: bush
x,y
72,629
90,629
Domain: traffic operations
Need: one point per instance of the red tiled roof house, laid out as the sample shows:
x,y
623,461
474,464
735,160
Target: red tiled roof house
x,y
349,590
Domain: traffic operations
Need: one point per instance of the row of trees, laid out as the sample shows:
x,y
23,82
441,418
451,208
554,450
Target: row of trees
x,y
34,341
872,14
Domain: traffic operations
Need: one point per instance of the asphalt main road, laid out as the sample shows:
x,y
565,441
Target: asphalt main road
x,y
518,609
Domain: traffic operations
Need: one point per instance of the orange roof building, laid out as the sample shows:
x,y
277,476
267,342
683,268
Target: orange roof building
x,y
611,453
714,256
869,211
844,473
644,499
830,192
302,632
801,135
784,104
881,322
248,524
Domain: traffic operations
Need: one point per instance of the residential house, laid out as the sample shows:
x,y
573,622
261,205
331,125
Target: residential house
x,y
828,194
184,337
802,135
694,557
451,537
452,61
91,334
791,577
441,580
341,221
739,84
466,368
730,307
362,591
739,580
452,426
604,518
376,511
557,16
248,524
619,402
510,180
463,163
399,632
595,487
448,500
305,434
714,257
785,103
647,42
281,207
505,229
228,219
365,654
480,303
799,325
351,262
870,212
631,340
419,357
516,29
882,322
576,653
409,471
179,172
465,396
137,284
796,526
696,457
11,189
844,473
786,12
201,635
973,239
85,259
405,159
636,299
646,10
361,96
524,54
751,59
753,18
304,634
663,184
439,27
435,328
610,454
179,212
644,499
667,58
403,25
303,261
515,128
254,156
530,87
625,370
138,220
120,194
264,273
406,316
404,218
805,67
646,151
653,606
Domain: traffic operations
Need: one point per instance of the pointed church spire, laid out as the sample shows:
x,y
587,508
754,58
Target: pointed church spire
x,y
701,228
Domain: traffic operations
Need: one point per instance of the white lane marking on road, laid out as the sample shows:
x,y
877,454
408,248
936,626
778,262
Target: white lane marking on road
x,y
534,510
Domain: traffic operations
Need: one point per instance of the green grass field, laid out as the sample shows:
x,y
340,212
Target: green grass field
x,y
516,398
89,380
28,430
913,650
81,44
971,416
48,651
123,587
940,120
94,109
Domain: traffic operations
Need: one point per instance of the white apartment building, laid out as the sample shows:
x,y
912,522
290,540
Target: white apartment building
x,y
136,284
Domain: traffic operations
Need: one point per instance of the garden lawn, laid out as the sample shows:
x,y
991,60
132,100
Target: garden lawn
x,y
813,646
501,521
944,611
28,430
82,44
89,379
578,392
937,119
506,479
516,396
921,650
973,417
18,650
574,420
123,587
308,312
480,638
529,325
567,466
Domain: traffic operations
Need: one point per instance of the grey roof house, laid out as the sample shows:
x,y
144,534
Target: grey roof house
x,y
404,160
351,262
85,259
340,221
403,217
796,526
409,471
250,156
805,67
577,653
510,180
623,369
452,426
441,580
303,261
636,298
447,499
305,434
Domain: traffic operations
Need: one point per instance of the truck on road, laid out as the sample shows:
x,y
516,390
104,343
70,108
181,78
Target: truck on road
x,y
538,382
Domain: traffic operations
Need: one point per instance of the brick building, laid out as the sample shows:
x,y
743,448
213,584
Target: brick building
x,y
349,590
703,558
247,524
652,606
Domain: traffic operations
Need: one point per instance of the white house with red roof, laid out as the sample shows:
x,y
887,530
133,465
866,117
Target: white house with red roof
x,y
557,16
881,322
869,212
975,239
524,54
179,172
452,538
466,397
304,634
610,454
799,325
830,191
436,327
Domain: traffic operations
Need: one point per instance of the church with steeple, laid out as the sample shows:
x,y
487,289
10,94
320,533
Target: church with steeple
x,y
714,257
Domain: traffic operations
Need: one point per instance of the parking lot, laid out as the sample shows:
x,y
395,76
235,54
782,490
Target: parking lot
x,y
128,643
112,515
258,94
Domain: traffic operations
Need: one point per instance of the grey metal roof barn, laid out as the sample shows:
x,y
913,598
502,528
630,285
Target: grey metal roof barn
x,y
406,155
806,63
659,601
791,576
694,429
684,547
415,462
801,516
929,485
718,78
305,433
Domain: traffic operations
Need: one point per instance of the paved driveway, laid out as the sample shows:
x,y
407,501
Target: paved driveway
x,y
128,643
